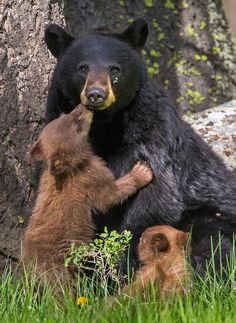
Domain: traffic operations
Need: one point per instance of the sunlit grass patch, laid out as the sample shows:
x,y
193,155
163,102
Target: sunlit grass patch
x,y
212,299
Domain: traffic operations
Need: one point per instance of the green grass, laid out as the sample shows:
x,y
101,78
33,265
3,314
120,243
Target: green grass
x,y
210,300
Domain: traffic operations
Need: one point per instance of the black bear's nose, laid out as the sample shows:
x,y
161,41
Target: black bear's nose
x,y
96,96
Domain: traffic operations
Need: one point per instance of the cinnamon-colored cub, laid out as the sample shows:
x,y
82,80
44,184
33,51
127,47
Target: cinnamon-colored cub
x,y
74,182
162,252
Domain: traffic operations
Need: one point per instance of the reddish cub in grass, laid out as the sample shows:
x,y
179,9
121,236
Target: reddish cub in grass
x,y
162,252
74,182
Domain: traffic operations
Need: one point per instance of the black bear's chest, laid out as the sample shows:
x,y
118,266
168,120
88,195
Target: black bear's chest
x,y
127,140
118,156
119,144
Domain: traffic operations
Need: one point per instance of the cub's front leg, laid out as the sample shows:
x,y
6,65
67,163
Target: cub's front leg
x,y
121,189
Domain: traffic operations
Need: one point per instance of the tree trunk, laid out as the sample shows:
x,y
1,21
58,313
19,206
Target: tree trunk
x,y
189,52
25,69
230,12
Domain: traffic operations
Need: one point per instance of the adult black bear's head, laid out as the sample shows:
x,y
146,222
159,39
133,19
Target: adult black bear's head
x,y
104,71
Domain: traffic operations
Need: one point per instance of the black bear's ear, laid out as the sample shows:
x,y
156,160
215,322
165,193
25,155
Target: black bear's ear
x,y
136,34
57,39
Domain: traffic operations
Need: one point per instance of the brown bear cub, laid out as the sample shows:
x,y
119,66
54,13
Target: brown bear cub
x,y
74,182
162,252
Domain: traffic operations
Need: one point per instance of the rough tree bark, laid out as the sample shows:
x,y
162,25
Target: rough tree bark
x,y
189,52
230,11
25,70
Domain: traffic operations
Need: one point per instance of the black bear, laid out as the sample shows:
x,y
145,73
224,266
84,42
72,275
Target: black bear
x,y
133,120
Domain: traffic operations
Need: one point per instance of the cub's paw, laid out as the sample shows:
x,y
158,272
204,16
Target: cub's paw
x,y
142,172
64,248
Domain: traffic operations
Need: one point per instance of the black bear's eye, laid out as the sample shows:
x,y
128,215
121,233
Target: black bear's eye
x,y
114,69
83,68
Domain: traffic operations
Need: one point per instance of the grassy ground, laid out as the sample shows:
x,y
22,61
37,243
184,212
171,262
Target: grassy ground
x,y
210,300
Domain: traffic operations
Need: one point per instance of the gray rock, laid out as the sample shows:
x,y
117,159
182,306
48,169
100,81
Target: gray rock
x,y
218,127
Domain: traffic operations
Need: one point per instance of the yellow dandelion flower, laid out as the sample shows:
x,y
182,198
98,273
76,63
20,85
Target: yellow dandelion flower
x,y
81,300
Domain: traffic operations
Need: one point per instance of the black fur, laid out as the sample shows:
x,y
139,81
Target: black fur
x,y
191,186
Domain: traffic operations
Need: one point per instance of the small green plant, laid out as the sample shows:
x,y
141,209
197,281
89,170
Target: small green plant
x,y
100,256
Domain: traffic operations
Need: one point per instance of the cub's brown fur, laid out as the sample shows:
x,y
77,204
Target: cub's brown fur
x,y
162,252
74,182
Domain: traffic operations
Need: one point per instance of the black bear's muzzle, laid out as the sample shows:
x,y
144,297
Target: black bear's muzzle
x,y
97,93
96,96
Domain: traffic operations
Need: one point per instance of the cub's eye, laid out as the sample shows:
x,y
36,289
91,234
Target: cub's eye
x,y
114,69
83,68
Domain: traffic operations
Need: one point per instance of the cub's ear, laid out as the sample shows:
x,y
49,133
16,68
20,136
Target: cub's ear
x,y
182,239
159,242
57,167
136,34
57,39
36,152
